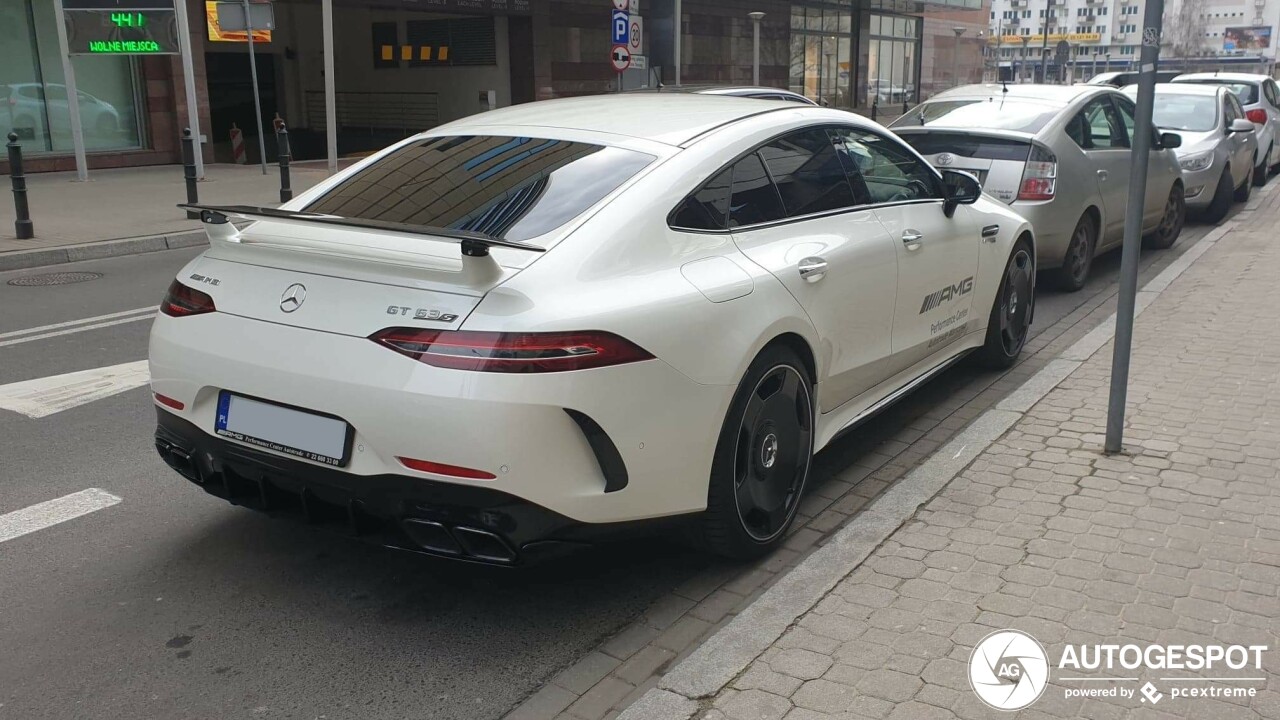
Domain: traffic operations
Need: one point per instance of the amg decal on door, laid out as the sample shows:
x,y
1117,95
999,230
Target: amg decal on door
x,y
946,294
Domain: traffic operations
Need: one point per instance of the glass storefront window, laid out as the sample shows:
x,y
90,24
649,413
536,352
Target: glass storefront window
x,y
33,94
891,60
821,53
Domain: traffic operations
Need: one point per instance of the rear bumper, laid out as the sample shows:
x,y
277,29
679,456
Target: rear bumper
x,y
551,440
445,519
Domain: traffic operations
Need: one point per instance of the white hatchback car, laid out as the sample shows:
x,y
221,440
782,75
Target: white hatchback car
x,y
521,330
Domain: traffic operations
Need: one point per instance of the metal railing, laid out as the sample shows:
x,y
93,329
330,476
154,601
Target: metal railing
x,y
406,112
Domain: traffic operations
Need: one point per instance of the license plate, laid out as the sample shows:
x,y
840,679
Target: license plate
x,y
284,429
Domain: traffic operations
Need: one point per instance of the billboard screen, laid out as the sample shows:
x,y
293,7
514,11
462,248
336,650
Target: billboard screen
x,y
217,34
1246,38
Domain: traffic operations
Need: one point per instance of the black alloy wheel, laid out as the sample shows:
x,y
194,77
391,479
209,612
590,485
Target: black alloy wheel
x,y
775,447
762,459
1010,320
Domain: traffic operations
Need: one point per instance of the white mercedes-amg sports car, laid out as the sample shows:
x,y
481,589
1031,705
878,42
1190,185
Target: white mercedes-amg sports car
x,y
520,331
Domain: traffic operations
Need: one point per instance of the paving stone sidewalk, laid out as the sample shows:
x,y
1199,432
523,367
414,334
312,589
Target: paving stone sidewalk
x,y
1176,542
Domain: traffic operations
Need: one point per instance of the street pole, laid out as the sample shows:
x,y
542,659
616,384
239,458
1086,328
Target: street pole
x,y
1150,60
257,101
1023,75
73,97
756,17
955,57
678,31
189,80
1044,40
1095,63
330,96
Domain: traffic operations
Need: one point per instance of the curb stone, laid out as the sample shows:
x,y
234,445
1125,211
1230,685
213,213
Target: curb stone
x,y
23,259
725,655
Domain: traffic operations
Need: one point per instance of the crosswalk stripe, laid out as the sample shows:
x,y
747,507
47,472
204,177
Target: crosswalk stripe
x,y
51,512
48,395
90,321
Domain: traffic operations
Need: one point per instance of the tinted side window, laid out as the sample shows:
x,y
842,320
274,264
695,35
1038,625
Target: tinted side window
x,y
1273,93
755,199
887,171
1127,111
1232,111
708,207
808,173
1098,126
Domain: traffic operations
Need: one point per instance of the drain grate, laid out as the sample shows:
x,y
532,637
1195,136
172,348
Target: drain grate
x,y
58,278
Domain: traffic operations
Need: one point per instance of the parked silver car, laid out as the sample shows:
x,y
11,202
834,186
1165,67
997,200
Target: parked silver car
x,y
1260,98
1059,154
1219,145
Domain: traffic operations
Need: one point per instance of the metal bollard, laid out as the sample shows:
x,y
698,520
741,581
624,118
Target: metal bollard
x,y
282,146
22,214
875,107
189,170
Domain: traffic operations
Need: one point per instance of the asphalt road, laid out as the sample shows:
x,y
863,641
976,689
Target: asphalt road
x,y
173,604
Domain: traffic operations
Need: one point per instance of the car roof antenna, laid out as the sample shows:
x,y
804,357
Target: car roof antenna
x,y
1004,86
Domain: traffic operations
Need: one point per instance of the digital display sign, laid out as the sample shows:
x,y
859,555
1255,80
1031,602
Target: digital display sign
x,y
122,32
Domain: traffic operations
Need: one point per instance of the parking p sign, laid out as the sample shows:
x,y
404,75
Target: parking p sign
x,y
621,27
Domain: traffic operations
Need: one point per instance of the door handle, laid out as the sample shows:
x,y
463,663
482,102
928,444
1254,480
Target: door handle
x,y
912,239
1102,174
812,269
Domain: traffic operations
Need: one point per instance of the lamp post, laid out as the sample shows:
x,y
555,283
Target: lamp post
x,y
756,17
955,57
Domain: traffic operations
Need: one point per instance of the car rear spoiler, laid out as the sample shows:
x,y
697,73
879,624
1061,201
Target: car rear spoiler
x,y
476,261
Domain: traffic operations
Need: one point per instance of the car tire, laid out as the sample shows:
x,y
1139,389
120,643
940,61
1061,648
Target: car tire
x,y
1171,222
1222,196
1074,272
1262,172
1242,193
762,458
1010,320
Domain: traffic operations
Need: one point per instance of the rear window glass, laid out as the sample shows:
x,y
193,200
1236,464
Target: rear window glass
x,y
994,114
1194,113
808,173
1247,92
970,146
514,188
755,199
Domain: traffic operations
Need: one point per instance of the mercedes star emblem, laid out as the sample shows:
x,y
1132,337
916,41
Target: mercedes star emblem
x,y
293,297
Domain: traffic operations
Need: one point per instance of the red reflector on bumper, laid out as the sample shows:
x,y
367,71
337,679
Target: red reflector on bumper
x,y
442,469
169,402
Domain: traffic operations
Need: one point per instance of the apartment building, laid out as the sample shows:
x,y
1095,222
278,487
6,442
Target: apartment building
x,y
1075,39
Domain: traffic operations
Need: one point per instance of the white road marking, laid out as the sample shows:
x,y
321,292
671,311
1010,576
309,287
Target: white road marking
x,y
52,512
18,337
46,396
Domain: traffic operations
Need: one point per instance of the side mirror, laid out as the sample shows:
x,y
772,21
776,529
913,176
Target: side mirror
x,y
1169,141
1240,125
961,188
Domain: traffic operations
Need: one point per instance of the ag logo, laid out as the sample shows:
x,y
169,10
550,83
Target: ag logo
x,y
1008,670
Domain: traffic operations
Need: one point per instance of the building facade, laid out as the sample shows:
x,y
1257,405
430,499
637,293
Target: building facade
x,y
406,65
1105,35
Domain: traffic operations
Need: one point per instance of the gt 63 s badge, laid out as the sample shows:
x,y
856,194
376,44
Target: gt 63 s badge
x,y
422,313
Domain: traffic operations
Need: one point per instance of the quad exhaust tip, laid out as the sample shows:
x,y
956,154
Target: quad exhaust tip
x,y
459,541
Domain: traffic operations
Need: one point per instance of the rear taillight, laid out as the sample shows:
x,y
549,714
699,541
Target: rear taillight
x,y
1257,116
511,352
1040,176
182,301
